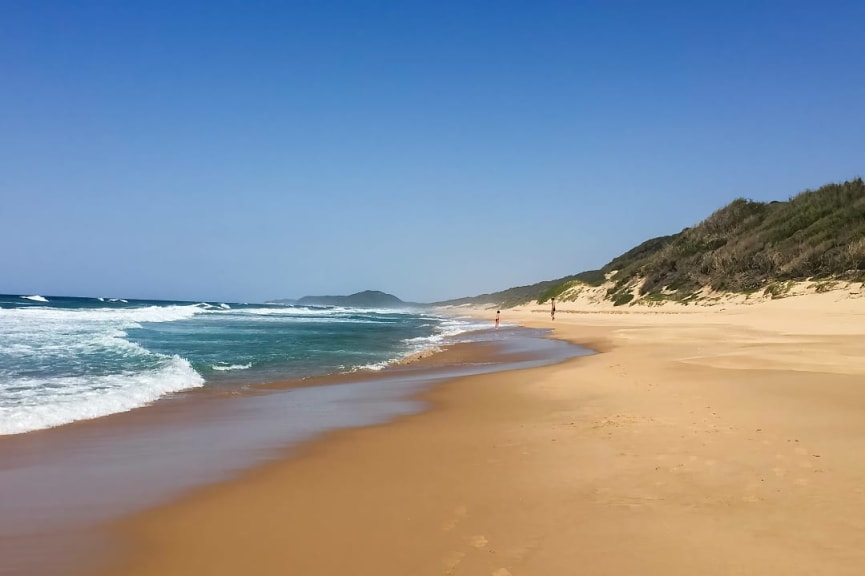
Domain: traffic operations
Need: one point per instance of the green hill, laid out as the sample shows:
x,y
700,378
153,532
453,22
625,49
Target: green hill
x,y
744,247
365,299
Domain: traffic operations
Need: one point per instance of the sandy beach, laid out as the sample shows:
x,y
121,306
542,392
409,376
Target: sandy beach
x,y
432,288
699,440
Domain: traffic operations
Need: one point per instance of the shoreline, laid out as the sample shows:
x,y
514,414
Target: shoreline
x,y
80,475
712,442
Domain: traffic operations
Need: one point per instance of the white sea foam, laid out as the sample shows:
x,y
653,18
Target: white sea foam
x,y
49,337
448,328
55,364
334,311
36,298
311,315
455,326
288,311
85,316
231,367
209,306
36,404
375,366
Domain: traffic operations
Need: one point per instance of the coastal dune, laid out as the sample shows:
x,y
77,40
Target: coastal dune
x,y
699,440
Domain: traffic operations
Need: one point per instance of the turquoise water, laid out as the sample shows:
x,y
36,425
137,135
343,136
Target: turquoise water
x,y
65,359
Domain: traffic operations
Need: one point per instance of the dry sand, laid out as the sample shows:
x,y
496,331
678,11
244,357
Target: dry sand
x,y
722,440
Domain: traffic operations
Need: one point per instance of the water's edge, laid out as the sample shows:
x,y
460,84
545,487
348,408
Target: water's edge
x,y
92,472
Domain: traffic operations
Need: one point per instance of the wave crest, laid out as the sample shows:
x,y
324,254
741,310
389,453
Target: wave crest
x,y
223,368
83,398
36,298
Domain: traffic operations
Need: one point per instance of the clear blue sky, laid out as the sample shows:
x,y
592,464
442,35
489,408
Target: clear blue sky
x,y
253,150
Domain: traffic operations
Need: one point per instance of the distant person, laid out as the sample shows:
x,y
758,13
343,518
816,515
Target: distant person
x,y
553,308
497,318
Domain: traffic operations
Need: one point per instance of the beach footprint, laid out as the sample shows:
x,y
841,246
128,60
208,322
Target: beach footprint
x,y
459,514
519,554
452,561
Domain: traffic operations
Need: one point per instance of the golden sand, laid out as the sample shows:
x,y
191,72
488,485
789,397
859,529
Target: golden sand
x,y
722,440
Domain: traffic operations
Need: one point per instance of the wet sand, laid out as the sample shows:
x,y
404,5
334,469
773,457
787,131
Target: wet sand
x,y
699,441
57,484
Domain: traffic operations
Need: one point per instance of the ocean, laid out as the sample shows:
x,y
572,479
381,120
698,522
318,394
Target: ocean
x,y
65,359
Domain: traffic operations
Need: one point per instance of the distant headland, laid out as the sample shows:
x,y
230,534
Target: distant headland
x,y
365,299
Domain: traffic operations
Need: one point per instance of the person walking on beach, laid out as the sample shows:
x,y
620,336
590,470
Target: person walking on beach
x,y
497,318
553,308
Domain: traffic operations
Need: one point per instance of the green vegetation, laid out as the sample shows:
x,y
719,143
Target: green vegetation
x,y
591,277
745,247
777,290
655,297
824,286
747,244
633,258
556,290
692,298
621,299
